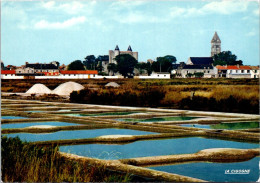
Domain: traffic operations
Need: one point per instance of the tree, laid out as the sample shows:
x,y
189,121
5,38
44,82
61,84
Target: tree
x,y
149,68
99,66
112,68
198,74
125,64
164,64
144,66
90,62
76,65
226,58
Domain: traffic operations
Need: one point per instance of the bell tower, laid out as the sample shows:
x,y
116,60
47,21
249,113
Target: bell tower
x,y
215,45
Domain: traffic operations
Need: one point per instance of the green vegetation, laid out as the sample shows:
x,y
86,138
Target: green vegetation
x,y
23,162
76,65
226,58
163,64
125,64
112,68
149,97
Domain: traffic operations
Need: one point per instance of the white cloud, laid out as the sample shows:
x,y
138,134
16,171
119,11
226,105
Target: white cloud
x,y
43,24
218,7
48,5
122,4
256,12
225,7
251,33
72,7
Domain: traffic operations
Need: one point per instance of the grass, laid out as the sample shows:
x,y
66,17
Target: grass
x,y
23,162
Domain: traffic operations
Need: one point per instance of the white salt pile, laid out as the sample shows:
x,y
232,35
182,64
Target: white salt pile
x,y
39,89
41,126
114,136
112,84
67,88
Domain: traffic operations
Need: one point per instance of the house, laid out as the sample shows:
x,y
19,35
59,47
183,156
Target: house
x,y
25,71
78,74
237,71
155,75
41,68
255,72
185,71
9,74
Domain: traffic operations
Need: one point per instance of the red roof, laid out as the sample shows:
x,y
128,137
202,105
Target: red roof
x,y
51,73
233,67
80,72
244,67
7,71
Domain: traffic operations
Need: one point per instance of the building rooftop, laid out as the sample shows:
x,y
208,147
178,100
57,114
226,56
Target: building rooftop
x,y
197,67
234,67
201,60
129,48
7,71
215,38
80,72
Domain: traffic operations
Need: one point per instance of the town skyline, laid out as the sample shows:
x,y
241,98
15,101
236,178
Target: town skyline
x,y
45,31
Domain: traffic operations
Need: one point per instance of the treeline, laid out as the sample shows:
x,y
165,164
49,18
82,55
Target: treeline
x,y
159,97
229,104
148,97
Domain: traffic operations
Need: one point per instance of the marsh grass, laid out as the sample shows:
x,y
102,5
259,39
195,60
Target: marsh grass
x,y
23,162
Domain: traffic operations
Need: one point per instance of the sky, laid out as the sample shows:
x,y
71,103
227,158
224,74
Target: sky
x,y
64,31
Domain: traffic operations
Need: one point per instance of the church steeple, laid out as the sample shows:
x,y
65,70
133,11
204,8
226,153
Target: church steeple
x,y
215,38
129,48
117,48
215,45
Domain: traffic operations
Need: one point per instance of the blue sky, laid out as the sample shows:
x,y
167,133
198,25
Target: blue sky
x,y
64,31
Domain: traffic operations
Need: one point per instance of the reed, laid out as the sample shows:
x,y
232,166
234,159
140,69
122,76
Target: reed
x,y
24,162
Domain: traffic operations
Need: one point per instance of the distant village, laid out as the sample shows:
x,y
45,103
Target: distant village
x,y
101,67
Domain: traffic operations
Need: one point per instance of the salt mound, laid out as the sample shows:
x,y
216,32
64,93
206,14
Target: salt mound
x,y
114,136
67,88
112,84
39,89
41,126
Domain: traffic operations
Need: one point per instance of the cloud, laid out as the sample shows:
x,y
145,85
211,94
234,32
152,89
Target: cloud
x,y
73,7
217,7
256,12
43,24
122,4
251,33
225,7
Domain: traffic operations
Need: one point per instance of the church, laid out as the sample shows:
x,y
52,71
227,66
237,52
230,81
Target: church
x,y
200,64
114,53
215,49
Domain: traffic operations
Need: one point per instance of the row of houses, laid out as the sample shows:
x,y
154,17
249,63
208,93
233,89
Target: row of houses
x,y
73,74
203,67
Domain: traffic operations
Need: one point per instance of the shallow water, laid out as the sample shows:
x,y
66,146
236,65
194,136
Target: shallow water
x,y
215,172
13,117
76,134
153,147
170,118
23,125
230,126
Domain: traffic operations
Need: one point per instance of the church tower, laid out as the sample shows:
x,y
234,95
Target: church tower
x,y
215,45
